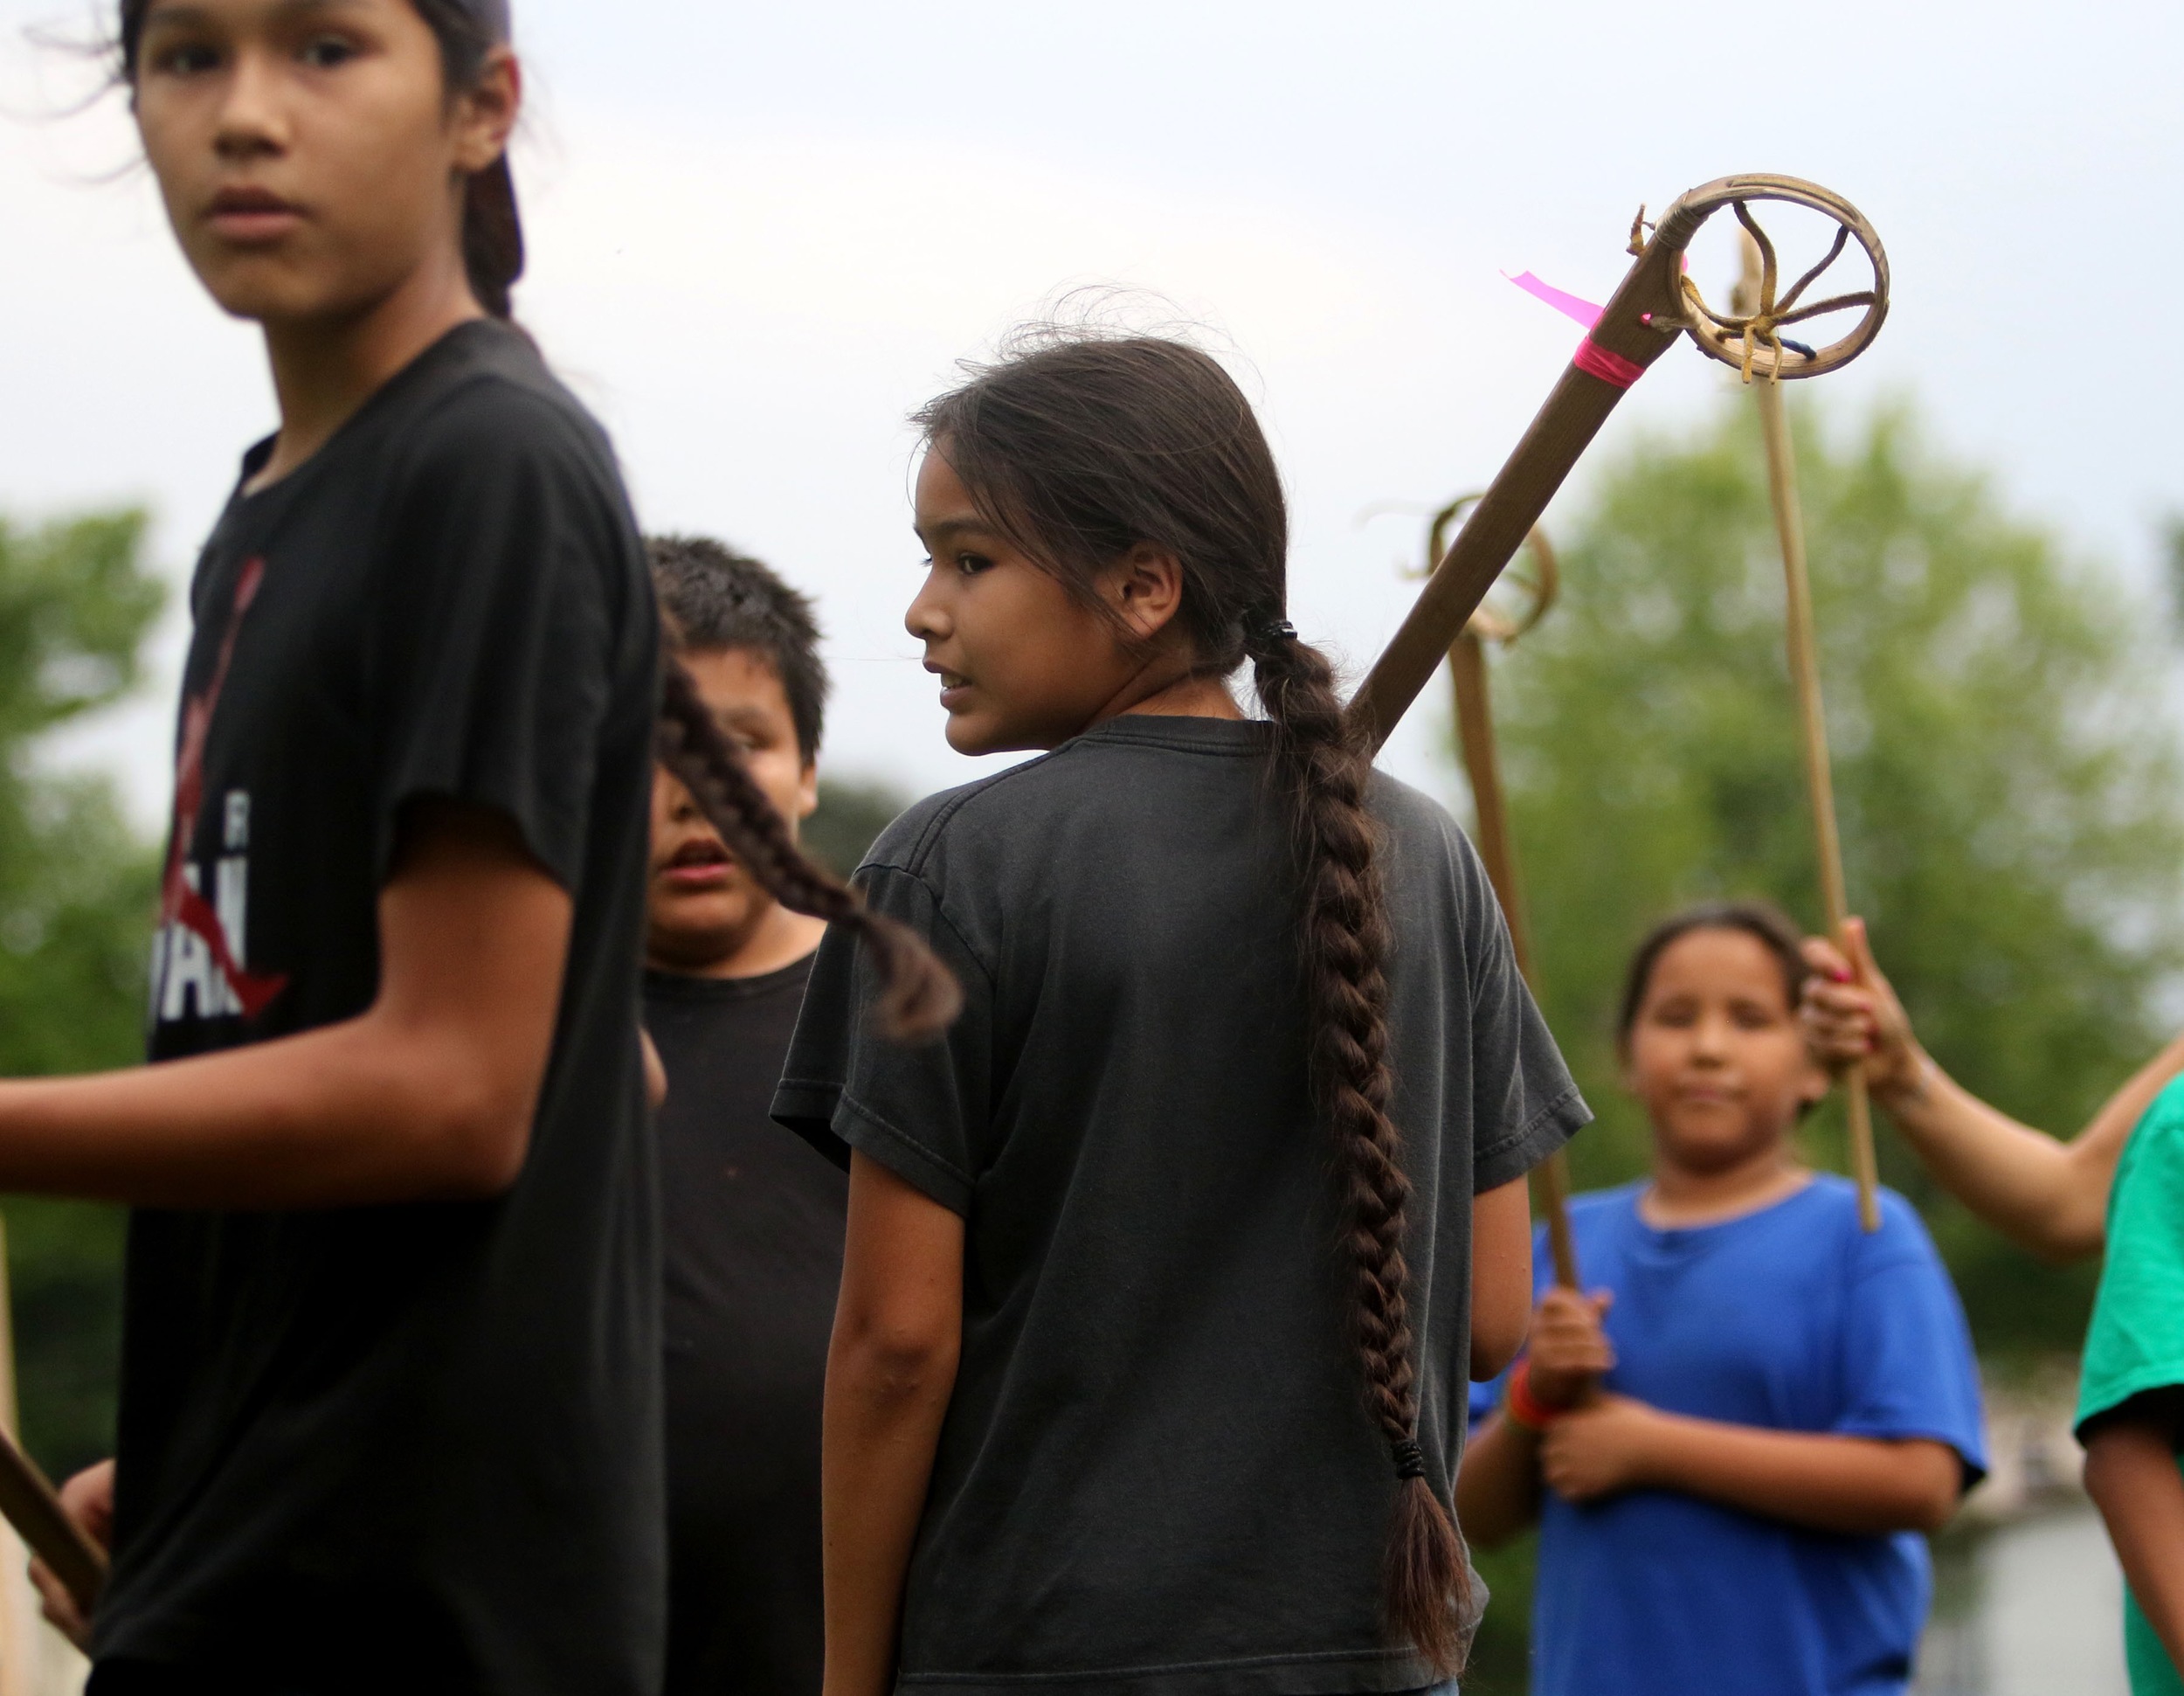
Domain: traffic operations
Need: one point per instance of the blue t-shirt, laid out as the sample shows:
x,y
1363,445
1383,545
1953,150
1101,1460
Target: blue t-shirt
x,y
1792,1318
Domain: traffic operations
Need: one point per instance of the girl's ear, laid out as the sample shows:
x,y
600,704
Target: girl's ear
x,y
1147,587
1625,1074
485,113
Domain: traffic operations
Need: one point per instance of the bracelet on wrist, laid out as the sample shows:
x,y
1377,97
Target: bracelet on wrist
x,y
1521,1406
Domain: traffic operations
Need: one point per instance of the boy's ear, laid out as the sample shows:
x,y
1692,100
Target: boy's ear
x,y
807,790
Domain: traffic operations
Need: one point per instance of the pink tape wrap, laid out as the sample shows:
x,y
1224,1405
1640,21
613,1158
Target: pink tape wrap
x,y
1596,361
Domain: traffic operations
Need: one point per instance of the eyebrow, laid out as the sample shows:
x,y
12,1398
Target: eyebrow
x,y
971,524
159,13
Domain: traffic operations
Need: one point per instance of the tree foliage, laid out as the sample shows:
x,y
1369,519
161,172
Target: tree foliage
x,y
851,815
2006,767
76,905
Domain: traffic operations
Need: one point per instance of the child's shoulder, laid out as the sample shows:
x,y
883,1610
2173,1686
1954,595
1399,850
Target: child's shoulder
x,y
487,405
1902,1247
1410,815
984,817
910,841
2150,1173
1423,849
2159,1135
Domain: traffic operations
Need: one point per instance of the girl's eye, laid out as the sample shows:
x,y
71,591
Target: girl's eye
x,y
971,565
187,58
328,53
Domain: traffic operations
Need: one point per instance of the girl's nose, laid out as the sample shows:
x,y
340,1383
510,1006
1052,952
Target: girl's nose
x,y
927,619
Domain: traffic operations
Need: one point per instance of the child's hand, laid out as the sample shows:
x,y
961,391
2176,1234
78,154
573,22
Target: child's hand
x,y
1602,1449
89,1498
1569,1351
1851,1014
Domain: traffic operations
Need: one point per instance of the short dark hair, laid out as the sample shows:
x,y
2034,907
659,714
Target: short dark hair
x,y
715,598
1766,924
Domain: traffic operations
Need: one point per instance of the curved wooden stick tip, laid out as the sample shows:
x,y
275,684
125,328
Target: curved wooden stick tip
x,y
1490,623
1750,336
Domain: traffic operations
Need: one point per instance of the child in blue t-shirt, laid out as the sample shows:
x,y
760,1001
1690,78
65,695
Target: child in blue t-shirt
x,y
1743,1432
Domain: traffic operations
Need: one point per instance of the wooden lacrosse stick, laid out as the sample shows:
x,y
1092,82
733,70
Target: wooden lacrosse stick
x,y
1650,310
1754,298
29,1503
1496,842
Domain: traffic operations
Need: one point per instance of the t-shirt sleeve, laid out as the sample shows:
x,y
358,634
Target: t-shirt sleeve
x,y
1909,1370
1524,1104
505,590
2136,1340
919,1109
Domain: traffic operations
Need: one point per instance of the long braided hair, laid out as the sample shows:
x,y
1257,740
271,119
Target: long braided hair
x,y
1078,448
919,997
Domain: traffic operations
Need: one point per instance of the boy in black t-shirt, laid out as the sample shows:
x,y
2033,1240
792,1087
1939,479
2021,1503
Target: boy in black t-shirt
x,y
754,1219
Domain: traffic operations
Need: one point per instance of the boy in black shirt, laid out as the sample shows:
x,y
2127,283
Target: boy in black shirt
x,y
754,1219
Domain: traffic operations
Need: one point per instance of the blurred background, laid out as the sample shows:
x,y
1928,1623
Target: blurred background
x,y
760,237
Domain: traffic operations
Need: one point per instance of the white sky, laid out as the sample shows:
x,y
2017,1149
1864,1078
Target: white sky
x,y
762,234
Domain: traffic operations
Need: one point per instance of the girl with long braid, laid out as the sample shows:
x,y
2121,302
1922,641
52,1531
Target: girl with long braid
x,y
390,1414
1165,1269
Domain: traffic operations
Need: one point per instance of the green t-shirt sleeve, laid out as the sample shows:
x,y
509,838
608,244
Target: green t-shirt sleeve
x,y
2136,1341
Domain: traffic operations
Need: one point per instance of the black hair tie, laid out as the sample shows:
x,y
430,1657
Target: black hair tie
x,y
1264,627
1410,1460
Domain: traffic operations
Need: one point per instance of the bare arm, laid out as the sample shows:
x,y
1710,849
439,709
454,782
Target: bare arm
x,y
1501,1277
898,1334
2049,1197
1862,1486
1497,1487
2131,1473
427,1095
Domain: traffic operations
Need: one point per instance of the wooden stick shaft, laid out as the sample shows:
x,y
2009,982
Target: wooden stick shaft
x,y
1637,325
1490,539
1497,848
28,1502
1804,650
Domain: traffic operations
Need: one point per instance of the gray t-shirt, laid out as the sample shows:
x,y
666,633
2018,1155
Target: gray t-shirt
x,y
1157,1475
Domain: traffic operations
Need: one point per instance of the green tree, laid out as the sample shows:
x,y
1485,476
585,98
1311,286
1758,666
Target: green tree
x,y
2006,770
851,816
77,892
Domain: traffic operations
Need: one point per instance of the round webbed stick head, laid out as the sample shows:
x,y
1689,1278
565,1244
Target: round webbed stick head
x,y
1520,597
1751,335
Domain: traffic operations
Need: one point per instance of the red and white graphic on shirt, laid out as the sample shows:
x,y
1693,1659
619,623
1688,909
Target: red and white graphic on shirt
x,y
200,943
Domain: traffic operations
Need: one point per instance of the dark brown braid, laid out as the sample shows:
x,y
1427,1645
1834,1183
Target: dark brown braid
x,y
1080,448
1326,765
919,998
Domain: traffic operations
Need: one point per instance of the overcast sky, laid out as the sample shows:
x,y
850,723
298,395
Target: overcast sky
x,y
761,235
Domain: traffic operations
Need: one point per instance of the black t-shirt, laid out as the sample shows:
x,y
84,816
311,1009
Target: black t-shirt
x,y
408,1447
1156,1475
753,1243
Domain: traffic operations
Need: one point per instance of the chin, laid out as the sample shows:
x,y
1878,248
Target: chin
x,y
692,948
1717,1150
264,293
969,737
